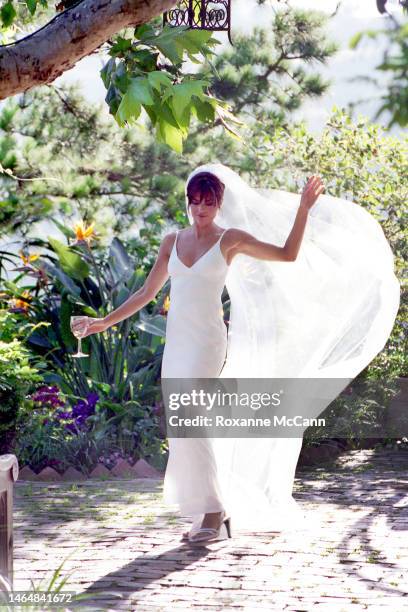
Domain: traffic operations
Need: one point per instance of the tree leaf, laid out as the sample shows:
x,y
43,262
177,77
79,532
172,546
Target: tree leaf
x,y
121,78
106,72
204,110
183,118
64,279
197,37
31,5
171,135
8,14
165,113
65,313
113,99
120,46
182,95
129,109
355,40
152,114
139,89
144,31
71,263
169,43
120,263
66,230
157,79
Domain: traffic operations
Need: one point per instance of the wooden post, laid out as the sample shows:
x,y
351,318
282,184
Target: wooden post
x,y
8,475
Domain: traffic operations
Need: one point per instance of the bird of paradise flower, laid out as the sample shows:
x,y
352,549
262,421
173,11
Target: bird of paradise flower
x,y
83,233
22,302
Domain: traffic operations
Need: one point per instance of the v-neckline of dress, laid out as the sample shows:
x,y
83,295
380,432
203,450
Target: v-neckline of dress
x,y
201,256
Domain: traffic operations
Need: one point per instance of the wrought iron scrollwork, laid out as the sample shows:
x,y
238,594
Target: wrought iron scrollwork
x,y
214,15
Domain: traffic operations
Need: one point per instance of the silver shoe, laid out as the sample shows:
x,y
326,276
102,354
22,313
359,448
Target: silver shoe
x,y
209,534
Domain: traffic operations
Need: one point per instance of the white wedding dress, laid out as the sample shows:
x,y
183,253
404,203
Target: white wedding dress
x,y
325,315
196,345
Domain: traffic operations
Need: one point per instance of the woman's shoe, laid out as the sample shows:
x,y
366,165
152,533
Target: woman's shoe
x,y
208,534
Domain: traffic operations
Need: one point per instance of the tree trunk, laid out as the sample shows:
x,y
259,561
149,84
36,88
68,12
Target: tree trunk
x,y
43,56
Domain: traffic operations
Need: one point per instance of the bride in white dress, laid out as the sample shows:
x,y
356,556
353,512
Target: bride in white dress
x,y
313,294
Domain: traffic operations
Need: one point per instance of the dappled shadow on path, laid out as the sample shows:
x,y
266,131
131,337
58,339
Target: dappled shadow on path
x,y
132,555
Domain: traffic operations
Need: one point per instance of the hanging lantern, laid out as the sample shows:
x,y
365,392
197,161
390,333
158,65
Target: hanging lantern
x,y
214,15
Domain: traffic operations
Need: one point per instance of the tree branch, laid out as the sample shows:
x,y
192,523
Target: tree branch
x,y
65,102
41,57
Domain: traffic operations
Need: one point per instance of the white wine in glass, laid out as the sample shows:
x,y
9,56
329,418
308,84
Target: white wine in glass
x,y
78,333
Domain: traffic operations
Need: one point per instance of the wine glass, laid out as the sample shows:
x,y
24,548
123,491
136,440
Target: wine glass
x,y
78,333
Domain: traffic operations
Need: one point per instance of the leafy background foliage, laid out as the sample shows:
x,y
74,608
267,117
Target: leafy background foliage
x,y
62,158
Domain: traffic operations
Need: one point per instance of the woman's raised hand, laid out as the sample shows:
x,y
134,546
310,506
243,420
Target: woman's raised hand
x,y
313,188
90,325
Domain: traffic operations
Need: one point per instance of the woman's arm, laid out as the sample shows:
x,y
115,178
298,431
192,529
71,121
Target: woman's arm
x,y
240,241
152,285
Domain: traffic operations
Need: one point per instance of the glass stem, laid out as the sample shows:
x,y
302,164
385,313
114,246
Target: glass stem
x,y
79,346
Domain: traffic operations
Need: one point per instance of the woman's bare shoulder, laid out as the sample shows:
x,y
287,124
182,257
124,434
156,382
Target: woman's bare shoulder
x,y
167,242
170,237
233,242
233,235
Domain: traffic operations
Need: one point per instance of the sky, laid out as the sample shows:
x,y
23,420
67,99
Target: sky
x,y
352,16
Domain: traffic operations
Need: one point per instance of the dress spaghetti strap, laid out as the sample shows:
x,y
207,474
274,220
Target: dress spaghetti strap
x,y
175,242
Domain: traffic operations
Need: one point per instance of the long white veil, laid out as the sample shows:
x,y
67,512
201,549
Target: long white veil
x,y
327,314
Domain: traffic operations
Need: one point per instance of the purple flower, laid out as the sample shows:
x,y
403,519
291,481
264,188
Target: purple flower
x,y
92,399
47,396
81,411
63,415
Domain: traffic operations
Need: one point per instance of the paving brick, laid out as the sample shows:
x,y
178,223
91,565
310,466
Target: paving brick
x,y
125,544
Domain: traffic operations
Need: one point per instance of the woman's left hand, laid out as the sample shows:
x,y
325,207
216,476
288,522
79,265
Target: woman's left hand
x,y
313,188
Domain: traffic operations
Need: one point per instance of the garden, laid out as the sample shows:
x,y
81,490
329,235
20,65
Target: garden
x,y
62,412
89,190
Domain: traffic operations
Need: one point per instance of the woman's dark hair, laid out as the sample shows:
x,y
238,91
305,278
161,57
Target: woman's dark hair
x,y
204,183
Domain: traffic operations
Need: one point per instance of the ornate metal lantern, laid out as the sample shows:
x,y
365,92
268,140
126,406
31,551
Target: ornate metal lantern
x,y
214,15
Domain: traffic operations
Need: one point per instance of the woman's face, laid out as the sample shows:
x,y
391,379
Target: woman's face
x,y
202,213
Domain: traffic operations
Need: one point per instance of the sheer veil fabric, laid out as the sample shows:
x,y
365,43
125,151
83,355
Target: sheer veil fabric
x,y
325,315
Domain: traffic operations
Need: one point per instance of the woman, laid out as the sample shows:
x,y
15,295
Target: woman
x,y
311,296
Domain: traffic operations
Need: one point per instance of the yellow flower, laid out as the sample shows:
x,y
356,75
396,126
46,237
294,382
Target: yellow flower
x,y
28,259
84,233
166,303
22,302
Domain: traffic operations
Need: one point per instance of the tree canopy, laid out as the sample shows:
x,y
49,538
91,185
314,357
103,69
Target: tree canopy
x,y
56,151
146,71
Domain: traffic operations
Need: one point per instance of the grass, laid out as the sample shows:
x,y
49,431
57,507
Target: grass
x,y
53,588
374,556
362,468
149,519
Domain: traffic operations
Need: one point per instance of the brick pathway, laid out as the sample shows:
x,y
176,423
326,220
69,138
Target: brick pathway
x,y
127,549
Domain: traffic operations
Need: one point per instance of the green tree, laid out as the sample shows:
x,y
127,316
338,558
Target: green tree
x,y
61,154
357,161
395,65
270,73
146,69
